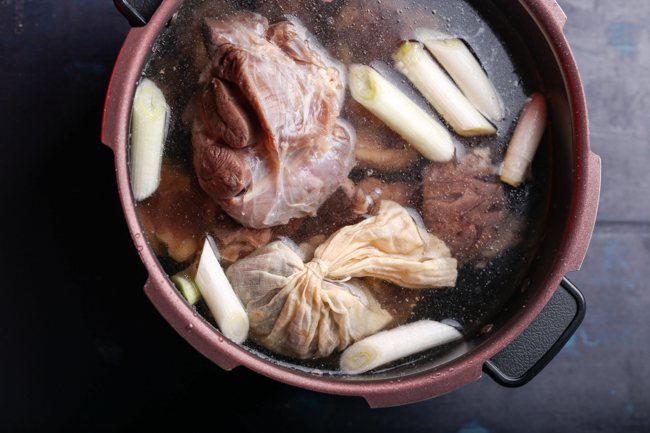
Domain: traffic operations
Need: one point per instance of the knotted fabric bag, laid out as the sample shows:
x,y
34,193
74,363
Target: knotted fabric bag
x,y
309,310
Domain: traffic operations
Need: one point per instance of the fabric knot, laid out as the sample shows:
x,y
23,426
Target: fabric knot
x,y
318,267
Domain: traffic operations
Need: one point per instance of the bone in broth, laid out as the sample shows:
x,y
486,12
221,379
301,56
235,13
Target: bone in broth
x,y
344,189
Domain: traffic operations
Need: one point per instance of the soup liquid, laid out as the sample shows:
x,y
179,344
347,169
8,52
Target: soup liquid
x,y
368,32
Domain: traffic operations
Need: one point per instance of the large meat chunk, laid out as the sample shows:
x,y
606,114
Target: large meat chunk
x,y
466,207
268,144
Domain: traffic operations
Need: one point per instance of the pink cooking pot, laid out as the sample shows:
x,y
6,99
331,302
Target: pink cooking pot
x,y
532,327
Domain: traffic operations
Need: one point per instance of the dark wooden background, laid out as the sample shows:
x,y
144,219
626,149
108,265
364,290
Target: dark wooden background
x,y
82,349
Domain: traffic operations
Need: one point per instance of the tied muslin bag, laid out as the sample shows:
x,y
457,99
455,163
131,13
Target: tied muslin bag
x,y
309,310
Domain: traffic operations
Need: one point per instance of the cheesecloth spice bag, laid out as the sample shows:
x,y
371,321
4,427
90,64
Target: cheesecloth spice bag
x,y
310,310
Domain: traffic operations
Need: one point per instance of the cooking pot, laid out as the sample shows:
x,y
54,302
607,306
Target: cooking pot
x,y
534,324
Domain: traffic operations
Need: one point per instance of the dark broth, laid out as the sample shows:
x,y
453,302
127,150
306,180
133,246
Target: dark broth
x,y
358,31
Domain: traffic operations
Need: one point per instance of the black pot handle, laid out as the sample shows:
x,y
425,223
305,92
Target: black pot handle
x,y
138,12
534,348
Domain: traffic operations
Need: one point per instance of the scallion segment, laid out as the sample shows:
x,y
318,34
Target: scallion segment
x,y
148,122
412,61
186,286
388,346
226,308
400,113
525,140
465,70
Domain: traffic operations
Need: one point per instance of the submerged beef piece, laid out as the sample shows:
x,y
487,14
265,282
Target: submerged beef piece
x,y
269,146
350,203
343,208
177,215
288,229
234,241
223,172
466,207
227,114
378,190
378,147
360,203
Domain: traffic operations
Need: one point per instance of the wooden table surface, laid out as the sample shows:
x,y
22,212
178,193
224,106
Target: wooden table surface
x,y
82,349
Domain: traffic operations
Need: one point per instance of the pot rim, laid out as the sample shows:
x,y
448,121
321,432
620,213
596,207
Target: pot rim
x,y
378,392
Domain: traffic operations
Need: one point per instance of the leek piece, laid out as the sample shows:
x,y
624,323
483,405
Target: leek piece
x,y
222,301
186,286
465,70
148,121
525,140
388,346
412,61
400,113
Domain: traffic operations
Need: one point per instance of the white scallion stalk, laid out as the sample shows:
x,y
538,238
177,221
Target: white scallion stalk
x,y
400,113
215,288
148,122
465,70
525,140
388,346
412,61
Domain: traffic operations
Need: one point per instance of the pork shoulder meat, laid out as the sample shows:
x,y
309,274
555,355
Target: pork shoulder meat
x,y
465,206
268,144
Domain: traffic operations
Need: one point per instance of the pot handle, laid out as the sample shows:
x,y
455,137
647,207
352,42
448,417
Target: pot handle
x,y
534,348
138,12
556,12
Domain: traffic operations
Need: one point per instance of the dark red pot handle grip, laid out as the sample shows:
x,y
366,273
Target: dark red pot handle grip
x,y
534,348
138,12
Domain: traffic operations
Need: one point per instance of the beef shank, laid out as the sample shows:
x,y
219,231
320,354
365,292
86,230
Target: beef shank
x,y
268,143
465,205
